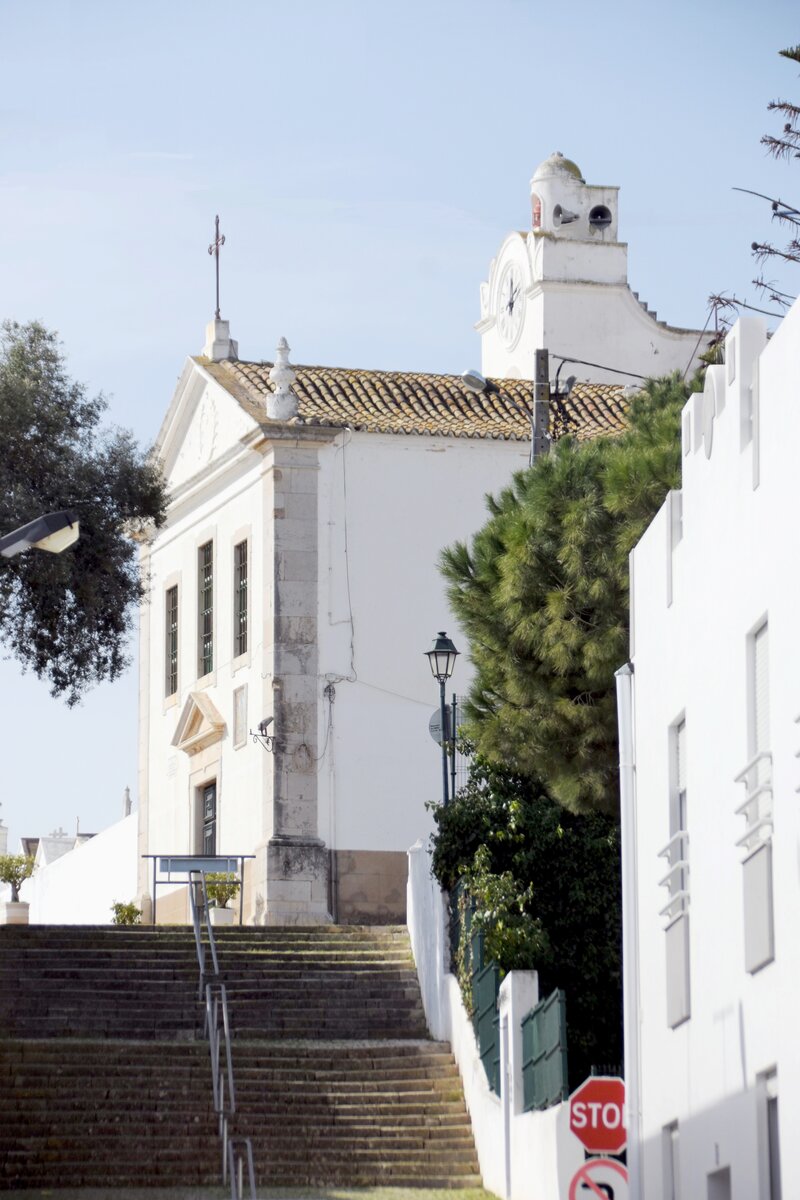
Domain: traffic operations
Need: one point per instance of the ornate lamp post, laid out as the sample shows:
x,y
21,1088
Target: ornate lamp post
x,y
442,658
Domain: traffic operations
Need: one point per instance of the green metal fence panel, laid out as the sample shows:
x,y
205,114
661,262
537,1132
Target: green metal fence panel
x,y
485,987
485,983
544,1053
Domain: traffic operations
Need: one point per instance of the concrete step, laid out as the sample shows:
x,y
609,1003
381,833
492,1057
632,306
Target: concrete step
x,y
338,1083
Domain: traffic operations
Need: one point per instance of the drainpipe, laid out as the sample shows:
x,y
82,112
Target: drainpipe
x,y
631,1003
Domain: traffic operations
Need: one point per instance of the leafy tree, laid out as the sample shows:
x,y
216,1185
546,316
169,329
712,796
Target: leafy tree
x,y
14,870
542,593
67,616
546,888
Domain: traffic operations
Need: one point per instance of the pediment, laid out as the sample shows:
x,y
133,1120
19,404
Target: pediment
x,y
204,424
200,724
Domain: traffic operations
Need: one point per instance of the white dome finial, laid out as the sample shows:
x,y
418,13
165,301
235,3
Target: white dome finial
x,y
282,403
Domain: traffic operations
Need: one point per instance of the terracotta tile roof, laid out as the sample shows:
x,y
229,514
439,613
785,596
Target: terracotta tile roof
x,y
410,402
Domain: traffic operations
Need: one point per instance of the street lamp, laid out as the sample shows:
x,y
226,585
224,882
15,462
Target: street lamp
x,y
539,414
52,532
442,658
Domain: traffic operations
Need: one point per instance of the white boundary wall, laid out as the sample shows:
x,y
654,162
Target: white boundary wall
x,y
523,1156
80,887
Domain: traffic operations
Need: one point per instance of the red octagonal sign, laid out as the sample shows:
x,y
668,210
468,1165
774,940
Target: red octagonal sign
x,y
597,1114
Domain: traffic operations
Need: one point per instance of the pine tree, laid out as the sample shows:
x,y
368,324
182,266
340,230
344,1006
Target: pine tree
x,y
542,594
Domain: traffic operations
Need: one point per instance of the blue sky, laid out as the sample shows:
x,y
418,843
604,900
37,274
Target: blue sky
x,y
366,159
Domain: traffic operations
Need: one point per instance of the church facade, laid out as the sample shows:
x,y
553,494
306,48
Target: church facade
x,y
295,587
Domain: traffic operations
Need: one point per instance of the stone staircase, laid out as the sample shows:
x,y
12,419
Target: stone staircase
x,y
104,1081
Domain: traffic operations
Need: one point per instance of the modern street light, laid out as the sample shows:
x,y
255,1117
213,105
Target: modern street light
x,y
52,532
442,658
539,416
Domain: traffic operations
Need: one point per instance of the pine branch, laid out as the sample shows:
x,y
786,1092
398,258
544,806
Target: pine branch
x,y
780,147
786,107
763,250
768,289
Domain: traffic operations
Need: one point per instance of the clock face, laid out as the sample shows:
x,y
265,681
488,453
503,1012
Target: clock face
x,y
511,311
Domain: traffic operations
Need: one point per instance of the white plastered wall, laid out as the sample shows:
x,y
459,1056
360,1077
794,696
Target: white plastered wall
x,y
80,887
381,589
694,605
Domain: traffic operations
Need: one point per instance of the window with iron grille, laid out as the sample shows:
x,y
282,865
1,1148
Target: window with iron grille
x,y
171,641
240,599
205,622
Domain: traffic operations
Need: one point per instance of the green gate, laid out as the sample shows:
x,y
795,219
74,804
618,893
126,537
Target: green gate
x,y
544,1053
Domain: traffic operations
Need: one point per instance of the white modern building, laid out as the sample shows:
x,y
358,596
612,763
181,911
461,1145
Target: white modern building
x,y
296,579
710,775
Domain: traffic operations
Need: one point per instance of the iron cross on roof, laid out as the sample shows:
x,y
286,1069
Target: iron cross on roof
x,y
219,240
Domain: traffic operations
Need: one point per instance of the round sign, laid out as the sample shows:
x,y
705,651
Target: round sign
x,y
597,1114
435,725
601,1177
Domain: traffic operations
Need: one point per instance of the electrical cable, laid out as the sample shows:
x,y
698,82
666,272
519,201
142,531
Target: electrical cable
x,y
564,358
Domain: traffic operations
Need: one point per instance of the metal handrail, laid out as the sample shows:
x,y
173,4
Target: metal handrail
x,y
198,935
216,1006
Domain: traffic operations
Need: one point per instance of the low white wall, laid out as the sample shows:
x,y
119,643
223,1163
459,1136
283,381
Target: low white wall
x,y
522,1156
80,887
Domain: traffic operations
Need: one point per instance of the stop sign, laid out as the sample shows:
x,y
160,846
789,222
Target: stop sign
x,y
597,1114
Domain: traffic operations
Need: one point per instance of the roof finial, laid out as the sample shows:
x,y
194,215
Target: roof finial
x,y
282,403
214,248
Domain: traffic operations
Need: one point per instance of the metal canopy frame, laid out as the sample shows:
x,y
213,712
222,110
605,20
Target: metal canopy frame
x,y
185,864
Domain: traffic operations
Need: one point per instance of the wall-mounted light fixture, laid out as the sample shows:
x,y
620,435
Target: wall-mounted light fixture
x,y
264,739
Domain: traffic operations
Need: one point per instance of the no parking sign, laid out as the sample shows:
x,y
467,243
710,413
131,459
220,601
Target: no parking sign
x,y
604,1178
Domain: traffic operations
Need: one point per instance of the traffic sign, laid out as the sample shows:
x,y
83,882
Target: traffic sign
x,y
600,1179
597,1114
435,725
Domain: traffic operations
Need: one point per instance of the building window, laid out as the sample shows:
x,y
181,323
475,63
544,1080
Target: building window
x,y
240,599
205,623
669,1146
676,881
756,808
171,641
240,716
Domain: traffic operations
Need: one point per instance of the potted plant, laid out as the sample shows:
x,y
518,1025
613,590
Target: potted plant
x,y
125,914
220,888
14,870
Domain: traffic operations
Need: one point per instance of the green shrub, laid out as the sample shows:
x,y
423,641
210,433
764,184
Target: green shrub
x,y
125,914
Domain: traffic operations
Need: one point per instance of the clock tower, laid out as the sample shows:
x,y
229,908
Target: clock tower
x,y
562,285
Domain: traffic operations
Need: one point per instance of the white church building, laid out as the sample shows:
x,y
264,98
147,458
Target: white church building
x,y
296,583
709,712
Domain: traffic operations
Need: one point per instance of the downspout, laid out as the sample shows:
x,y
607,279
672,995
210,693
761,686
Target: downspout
x,y
631,1006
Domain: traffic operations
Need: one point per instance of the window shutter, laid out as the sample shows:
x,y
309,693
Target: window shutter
x,y
760,690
